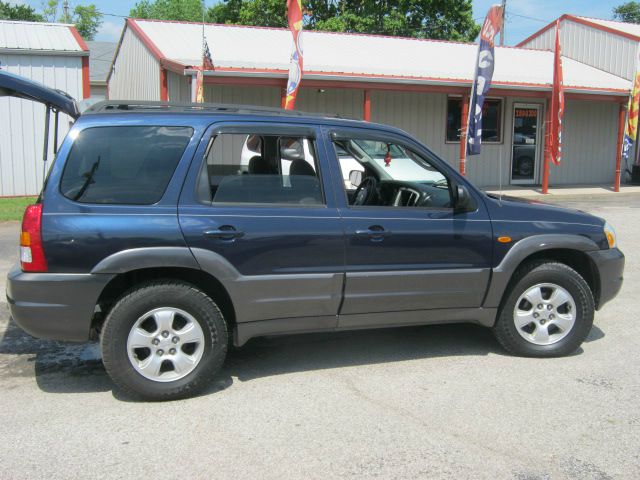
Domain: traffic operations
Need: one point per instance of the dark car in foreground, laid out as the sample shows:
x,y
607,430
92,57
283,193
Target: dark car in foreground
x,y
154,236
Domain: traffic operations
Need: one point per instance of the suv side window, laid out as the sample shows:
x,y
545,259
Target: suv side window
x,y
386,174
123,165
260,169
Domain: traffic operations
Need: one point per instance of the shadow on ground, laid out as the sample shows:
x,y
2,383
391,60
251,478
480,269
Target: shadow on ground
x,y
61,367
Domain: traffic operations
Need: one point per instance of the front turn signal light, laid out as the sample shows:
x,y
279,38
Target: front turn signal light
x,y
610,233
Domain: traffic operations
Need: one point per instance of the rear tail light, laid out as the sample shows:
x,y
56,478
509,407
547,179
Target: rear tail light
x,y
31,251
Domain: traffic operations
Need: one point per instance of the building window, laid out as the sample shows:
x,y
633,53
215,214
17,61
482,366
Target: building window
x,y
491,120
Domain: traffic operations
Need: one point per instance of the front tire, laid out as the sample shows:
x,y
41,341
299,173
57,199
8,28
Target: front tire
x,y
163,340
546,312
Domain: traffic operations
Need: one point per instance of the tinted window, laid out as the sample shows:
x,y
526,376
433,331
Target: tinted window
x,y
268,169
123,165
491,120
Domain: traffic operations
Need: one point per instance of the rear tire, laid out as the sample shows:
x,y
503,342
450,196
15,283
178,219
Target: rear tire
x,y
163,340
546,312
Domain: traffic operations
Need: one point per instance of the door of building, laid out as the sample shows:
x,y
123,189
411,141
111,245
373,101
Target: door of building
x,y
525,143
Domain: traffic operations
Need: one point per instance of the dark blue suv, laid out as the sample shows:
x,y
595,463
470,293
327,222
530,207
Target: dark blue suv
x,y
170,232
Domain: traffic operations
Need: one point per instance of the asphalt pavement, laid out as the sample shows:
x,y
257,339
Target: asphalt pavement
x,y
422,402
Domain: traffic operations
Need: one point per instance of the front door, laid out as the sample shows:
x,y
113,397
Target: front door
x,y
263,221
407,250
525,143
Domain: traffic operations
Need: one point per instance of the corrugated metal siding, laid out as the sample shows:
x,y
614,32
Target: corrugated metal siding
x,y
22,132
347,103
593,47
589,144
543,41
423,115
602,50
136,72
178,87
263,96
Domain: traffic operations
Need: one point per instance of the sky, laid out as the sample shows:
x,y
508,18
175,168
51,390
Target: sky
x,y
524,17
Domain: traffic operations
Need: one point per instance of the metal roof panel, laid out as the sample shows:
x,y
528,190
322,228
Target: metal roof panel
x,y
268,49
32,37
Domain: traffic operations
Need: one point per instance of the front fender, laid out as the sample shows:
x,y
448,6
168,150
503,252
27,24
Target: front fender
x,y
502,273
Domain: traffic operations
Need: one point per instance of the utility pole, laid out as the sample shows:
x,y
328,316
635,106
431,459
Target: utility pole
x,y
504,17
65,11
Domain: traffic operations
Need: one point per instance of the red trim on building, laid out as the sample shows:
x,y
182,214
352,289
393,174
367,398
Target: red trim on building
x,y
164,91
79,39
461,83
598,95
581,21
173,66
86,81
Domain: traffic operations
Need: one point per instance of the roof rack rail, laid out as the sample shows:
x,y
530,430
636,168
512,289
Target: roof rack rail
x,y
111,106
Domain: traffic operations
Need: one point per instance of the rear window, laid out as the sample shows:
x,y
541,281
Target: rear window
x,y
123,165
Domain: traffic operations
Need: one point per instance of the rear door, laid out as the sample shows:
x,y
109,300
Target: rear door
x,y
405,252
259,215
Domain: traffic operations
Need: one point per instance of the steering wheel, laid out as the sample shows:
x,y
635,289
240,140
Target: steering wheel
x,y
365,191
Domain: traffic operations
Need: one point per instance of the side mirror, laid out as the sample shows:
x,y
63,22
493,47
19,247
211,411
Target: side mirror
x,y
355,177
463,200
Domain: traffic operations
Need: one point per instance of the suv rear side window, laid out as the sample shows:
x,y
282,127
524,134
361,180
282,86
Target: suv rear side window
x,y
123,165
260,169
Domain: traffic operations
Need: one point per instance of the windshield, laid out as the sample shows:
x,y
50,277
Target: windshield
x,y
394,162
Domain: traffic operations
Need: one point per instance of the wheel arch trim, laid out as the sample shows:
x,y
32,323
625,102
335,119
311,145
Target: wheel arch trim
x,y
140,258
525,248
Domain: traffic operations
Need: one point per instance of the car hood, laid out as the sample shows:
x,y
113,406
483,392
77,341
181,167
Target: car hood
x,y
16,86
520,209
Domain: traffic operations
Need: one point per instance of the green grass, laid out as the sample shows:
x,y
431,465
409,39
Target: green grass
x,y
13,208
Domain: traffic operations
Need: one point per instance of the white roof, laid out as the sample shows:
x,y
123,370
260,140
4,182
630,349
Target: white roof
x,y
37,37
630,28
266,51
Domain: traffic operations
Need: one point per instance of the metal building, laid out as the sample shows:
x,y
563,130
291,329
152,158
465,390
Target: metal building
x,y
421,86
100,60
49,53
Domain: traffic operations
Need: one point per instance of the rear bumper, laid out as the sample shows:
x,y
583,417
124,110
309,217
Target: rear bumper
x,y
57,306
610,267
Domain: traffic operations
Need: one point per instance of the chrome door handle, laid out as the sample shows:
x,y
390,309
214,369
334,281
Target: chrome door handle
x,y
226,232
375,232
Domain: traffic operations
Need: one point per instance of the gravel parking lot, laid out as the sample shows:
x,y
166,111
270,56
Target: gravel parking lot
x,y
425,402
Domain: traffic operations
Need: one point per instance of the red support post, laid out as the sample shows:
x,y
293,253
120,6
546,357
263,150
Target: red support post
x,y
283,96
367,106
164,91
622,116
547,149
463,135
86,81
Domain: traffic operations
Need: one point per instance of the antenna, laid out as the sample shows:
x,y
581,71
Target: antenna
x,y
500,175
203,10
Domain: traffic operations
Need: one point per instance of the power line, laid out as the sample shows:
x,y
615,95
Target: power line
x,y
509,14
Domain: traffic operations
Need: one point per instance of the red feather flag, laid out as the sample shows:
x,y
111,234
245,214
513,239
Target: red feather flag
x,y
557,104
294,14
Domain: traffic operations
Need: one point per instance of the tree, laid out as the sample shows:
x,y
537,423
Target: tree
x,y
185,10
627,12
86,18
439,19
19,12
